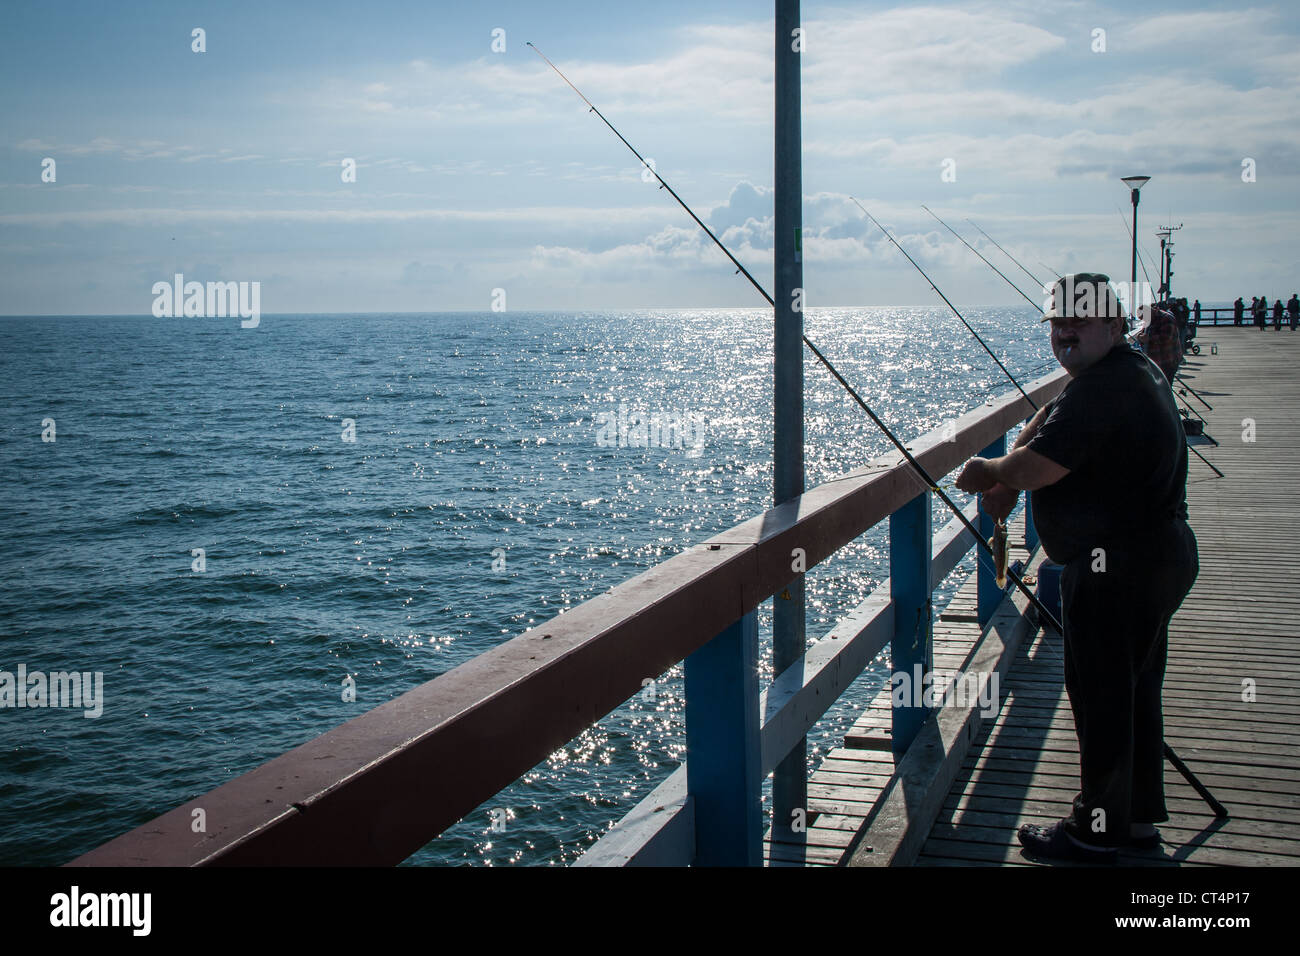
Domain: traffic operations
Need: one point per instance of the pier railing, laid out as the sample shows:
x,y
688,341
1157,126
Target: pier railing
x,y
1222,316
381,786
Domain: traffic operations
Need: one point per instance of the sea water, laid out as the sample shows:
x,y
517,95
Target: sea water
x,y
230,525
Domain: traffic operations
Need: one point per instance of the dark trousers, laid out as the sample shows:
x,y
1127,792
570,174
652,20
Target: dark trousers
x,y
1116,643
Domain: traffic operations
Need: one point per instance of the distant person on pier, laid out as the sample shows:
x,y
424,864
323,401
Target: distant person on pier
x,y
1183,316
1238,311
1106,462
1293,310
1257,307
1161,341
1277,316
1196,312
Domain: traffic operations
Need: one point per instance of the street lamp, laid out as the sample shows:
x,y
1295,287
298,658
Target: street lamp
x,y
1134,183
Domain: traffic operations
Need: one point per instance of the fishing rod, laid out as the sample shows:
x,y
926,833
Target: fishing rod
x,y
999,541
946,302
662,184
1012,258
1044,612
924,475
981,255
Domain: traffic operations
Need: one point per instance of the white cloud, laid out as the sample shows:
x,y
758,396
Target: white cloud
x,y
552,215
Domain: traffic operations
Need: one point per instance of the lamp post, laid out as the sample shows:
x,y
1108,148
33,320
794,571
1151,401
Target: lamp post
x,y
1134,183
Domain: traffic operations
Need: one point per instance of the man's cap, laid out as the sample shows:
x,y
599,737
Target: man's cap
x,y
1084,295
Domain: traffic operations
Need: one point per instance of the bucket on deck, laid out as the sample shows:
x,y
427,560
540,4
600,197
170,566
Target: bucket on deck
x,y
1049,587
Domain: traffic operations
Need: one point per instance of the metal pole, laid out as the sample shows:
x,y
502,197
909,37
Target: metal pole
x,y
790,779
1133,271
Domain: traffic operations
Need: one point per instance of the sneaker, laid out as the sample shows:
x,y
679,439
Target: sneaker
x,y
1055,844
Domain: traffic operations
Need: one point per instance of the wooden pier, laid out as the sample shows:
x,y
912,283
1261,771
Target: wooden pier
x,y
393,778
1231,692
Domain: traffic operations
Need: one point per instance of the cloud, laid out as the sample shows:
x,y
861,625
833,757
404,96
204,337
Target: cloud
x,y
103,145
550,215
746,202
911,49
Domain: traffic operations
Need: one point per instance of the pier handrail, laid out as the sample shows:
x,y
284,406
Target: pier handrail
x,y
379,787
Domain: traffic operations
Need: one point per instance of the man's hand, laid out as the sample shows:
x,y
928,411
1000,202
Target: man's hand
x,y
1023,469
999,501
976,476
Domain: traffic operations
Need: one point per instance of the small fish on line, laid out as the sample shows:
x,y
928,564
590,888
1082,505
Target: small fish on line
x,y
998,545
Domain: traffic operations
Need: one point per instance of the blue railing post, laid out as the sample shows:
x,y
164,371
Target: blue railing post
x,y
912,649
722,747
988,594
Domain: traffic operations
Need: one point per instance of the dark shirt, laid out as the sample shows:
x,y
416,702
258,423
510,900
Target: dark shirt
x,y
1117,428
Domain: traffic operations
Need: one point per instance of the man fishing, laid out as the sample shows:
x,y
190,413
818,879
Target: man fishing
x,y
1106,463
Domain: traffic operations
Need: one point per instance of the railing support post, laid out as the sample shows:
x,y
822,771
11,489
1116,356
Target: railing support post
x,y
722,747
988,594
912,649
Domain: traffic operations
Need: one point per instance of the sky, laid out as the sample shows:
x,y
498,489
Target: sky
x,y
478,169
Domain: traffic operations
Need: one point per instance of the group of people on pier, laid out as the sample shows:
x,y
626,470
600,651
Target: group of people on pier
x,y
1259,308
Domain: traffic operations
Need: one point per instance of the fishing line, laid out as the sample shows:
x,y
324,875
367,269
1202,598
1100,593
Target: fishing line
x,y
1014,259
981,255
